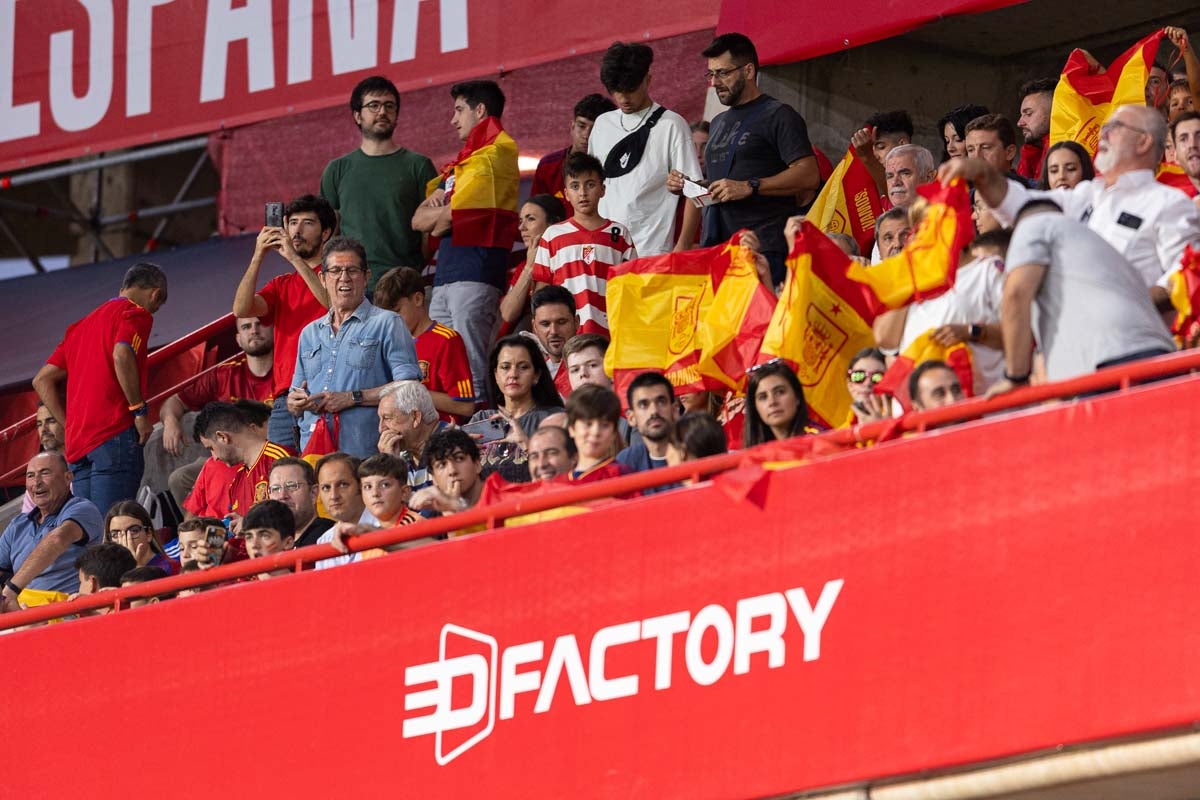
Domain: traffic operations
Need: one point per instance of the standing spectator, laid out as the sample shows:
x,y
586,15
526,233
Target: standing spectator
x,y
639,144
348,355
889,130
952,128
993,139
577,254
128,525
933,384
1067,164
106,416
554,323
377,187
1036,98
1186,132
441,353
288,302
539,212
294,483
49,430
548,177
38,549
775,407
472,209
700,140
653,410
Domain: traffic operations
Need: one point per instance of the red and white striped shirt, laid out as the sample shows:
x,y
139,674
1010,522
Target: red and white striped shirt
x,y
578,259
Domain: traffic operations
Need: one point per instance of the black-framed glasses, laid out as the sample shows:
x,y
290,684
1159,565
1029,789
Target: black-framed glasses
x,y
721,74
376,105
862,376
132,530
349,272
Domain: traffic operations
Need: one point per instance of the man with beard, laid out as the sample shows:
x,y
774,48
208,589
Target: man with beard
x,y
554,323
1036,98
1186,133
1147,222
758,158
50,430
288,302
653,411
376,188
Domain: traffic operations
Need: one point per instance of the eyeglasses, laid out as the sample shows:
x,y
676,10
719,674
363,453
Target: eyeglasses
x,y
1113,124
132,530
289,487
375,105
862,376
721,74
349,272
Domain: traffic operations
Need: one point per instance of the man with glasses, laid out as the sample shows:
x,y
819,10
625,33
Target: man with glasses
x,y
1147,222
348,355
293,483
758,158
376,188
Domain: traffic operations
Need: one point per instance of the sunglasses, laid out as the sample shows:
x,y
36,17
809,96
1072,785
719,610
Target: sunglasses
x,y
862,376
773,362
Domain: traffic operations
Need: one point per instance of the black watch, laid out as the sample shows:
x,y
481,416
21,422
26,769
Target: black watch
x,y
357,396
753,187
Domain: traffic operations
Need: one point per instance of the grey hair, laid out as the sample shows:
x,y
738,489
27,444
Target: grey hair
x,y
922,158
411,396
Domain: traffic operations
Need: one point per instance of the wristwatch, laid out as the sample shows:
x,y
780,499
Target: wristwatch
x,y
975,332
357,396
753,187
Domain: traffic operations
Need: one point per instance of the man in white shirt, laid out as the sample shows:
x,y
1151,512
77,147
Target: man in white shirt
x,y
639,144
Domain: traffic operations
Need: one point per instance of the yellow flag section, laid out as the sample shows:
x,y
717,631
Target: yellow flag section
x,y
848,203
926,266
483,184
957,356
1084,100
821,320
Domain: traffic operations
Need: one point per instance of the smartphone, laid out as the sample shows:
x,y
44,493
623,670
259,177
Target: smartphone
x,y
274,215
214,539
490,429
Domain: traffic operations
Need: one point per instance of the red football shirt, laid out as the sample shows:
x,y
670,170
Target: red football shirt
x,y
291,306
229,383
548,177
561,377
442,356
221,489
250,481
578,259
97,409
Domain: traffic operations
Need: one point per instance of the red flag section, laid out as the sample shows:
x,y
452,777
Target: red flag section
x,y
1185,297
849,203
957,356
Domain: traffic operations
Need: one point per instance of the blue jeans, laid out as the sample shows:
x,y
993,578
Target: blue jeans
x,y
281,427
110,473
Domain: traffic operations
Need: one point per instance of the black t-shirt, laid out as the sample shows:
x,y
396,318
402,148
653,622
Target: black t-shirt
x,y
755,140
318,527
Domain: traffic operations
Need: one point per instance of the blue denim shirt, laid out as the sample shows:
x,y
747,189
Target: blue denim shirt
x,y
26,532
372,347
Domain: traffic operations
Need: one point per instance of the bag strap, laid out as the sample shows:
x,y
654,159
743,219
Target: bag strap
x,y
611,165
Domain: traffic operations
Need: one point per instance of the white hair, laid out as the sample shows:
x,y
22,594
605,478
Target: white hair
x,y
411,396
922,158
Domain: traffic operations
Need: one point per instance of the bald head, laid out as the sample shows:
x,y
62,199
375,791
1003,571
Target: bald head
x,y
48,481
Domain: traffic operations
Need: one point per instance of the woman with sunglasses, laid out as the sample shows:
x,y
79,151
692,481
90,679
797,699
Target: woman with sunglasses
x,y
775,407
128,525
866,370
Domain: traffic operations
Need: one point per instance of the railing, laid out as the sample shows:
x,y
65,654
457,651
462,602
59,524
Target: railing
x,y
1121,377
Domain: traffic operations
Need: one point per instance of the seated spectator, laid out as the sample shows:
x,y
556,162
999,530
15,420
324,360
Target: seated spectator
x,y
578,254
407,418
1179,99
385,490
101,567
653,410
539,213
695,435
889,129
1092,310
140,575
521,394
293,482
269,528
441,354
551,452
548,177
592,414
952,128
775,407
1036,97
554,323
128,525
1066,165
1190,68
905,168
584,358
38,549
236,437
993,139
700,140
866,370
845,242
204,542
932,384
454,460
892,230
341,493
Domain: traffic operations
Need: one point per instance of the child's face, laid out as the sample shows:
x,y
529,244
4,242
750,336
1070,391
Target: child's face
x,y
265,542
593,438
384,496
584,192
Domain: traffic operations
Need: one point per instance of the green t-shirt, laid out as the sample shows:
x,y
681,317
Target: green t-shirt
x,y
376,197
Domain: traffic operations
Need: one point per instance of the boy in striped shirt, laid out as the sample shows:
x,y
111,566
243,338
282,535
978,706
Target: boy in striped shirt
x,y
578,253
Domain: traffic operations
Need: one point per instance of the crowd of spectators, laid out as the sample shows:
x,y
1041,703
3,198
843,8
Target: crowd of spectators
x,y
367,397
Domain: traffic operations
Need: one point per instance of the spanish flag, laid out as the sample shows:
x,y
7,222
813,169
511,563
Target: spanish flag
x,y
924,348
1185,296
823,317
926,266
1173,175
1083,101
483,183
732,328
654,307
849,203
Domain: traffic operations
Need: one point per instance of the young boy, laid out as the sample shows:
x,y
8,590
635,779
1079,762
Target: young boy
x,y
269,528
385,492
144,575
101,567
592,415
578,253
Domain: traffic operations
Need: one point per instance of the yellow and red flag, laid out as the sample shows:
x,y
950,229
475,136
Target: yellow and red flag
x,y
483,183
957,356
821,320
1083,100
927,265
732,327
1173,175
1185,296
849,203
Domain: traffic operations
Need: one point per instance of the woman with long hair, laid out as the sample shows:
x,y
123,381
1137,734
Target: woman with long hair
x,y
1066,165
775,407
539,212
129,525
952,129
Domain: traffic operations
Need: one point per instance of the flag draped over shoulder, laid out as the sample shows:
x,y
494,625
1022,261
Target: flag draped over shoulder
x,y
957,356
1083,101
1185,296
483,183
849,203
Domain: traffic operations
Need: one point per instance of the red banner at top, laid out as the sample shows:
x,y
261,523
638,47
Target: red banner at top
x,y
84,76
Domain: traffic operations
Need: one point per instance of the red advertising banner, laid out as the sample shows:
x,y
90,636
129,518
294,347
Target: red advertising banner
x,y
84,76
